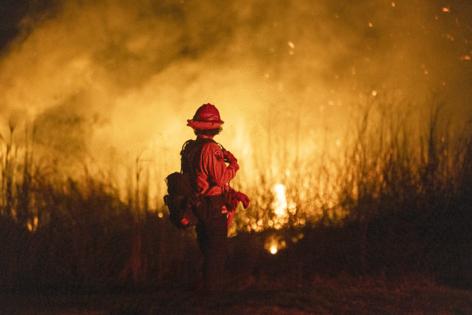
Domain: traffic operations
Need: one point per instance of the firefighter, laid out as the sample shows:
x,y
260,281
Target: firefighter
x,y
211,168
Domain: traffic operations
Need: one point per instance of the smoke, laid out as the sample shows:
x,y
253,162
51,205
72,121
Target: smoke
x,y
119,78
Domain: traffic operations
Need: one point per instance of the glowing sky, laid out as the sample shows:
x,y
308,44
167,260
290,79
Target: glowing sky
x,y
107,79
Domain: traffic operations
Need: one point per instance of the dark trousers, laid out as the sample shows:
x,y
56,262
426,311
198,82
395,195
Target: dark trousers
x,y
212,240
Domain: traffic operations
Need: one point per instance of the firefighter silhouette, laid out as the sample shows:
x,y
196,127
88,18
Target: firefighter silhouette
x,y
211,168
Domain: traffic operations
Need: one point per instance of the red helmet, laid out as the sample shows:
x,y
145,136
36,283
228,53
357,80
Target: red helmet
x,y
206,117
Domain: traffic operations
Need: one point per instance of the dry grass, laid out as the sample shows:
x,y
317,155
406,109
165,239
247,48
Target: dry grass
x,y
408,200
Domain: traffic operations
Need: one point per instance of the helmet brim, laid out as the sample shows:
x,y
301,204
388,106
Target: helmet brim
x,y
204,125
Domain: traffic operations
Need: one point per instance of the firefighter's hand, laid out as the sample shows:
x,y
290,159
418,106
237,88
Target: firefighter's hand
x,y
243,198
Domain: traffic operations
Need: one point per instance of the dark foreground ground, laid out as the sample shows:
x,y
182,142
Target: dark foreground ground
x,y
341,295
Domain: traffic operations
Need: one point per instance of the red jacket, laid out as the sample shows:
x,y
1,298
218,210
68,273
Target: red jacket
x,y
213,173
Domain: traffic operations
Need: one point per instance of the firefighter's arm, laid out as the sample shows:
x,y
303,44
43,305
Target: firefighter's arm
x,y
230,159
213,164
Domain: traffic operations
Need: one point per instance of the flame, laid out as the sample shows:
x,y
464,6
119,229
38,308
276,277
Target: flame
x,y
274,244
135,98
33,224
280,200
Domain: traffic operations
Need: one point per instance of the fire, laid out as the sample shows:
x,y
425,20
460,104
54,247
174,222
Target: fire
x,y
32,225
274,244
280,200
133,99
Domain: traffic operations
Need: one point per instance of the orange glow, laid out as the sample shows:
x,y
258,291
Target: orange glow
x,y
33,224
274,244
280,200
108,86
466,57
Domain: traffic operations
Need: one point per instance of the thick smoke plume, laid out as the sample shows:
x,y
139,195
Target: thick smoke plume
x,y
109,81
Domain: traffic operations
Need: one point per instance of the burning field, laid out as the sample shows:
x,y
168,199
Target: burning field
x,y
351,124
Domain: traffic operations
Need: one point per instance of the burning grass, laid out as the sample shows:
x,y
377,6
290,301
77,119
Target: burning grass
x,y
396,201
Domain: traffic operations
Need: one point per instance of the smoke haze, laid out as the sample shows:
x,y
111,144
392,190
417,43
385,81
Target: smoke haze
x,y
111,80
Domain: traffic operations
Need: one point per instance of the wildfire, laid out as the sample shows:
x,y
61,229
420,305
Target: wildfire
x,y
280,200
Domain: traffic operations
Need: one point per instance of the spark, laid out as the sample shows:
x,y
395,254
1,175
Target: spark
x,y
374,93
370,24
445,10
466,58
292,47
394,4
273,249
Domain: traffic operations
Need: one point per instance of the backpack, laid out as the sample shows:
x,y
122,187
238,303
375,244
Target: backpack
x,y
180,200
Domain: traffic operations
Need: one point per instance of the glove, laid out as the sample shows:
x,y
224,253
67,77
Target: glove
x,y
243,198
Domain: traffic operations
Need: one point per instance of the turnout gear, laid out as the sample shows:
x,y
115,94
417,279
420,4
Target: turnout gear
x,y
201,195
